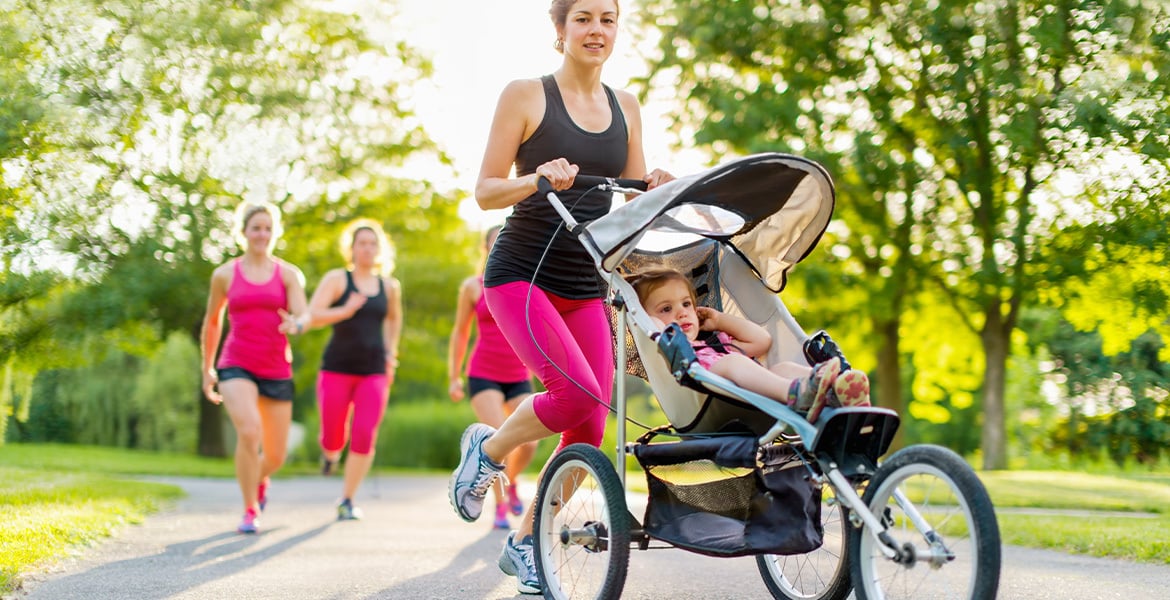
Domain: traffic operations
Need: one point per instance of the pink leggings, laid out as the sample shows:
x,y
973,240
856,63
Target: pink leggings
x,y
575,336
340,393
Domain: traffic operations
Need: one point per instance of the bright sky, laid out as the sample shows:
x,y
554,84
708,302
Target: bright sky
x,y
477,48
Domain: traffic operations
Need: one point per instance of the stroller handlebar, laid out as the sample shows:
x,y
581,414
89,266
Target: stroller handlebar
x,y
605,184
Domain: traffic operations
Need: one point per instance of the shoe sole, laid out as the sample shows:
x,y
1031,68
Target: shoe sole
x,y
464,449
852,388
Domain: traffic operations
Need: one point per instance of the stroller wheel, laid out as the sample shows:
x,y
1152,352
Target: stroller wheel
x,y
939,519
582,530
822,574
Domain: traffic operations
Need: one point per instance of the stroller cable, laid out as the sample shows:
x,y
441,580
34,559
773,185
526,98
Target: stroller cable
x,y
532,334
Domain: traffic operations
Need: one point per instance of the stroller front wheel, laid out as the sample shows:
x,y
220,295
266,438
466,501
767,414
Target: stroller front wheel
x,y
938,515
582,541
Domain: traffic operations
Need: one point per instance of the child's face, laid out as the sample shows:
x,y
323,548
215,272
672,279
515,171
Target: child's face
x,y
672,303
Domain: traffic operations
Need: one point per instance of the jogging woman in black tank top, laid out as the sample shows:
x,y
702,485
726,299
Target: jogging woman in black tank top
x,y
554,127
363,303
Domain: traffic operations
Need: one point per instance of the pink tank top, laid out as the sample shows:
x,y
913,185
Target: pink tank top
x,y
254,341
493,358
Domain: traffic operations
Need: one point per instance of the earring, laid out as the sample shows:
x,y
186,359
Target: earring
x,y
559,45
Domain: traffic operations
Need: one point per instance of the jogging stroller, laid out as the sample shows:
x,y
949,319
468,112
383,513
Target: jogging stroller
x,y
743,474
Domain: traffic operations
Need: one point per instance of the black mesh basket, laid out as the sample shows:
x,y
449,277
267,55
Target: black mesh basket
x,y
724,497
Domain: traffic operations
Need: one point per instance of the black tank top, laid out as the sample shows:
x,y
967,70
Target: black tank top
x,y
356,346
567,270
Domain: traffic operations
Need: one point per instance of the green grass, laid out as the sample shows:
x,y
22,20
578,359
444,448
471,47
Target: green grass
x,y
48,512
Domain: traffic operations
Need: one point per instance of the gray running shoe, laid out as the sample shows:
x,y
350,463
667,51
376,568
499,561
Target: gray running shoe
x,y
346,511
472,479
516,559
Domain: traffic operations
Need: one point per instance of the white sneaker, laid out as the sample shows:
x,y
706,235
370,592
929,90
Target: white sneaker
x,y
516,559
472,479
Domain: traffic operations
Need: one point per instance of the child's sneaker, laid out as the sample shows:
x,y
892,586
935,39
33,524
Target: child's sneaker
x,y
501,521
516,559
852,388
475,474
262,493
810,395
514,502
250,524
346,511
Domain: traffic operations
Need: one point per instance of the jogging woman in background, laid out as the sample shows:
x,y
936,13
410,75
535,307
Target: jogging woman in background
x,y
265,300
496,378
363,303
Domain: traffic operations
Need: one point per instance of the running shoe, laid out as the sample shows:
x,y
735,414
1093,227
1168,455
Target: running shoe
x,y
516,559
514,503
262,493
250,524
346,511
501,521
472,479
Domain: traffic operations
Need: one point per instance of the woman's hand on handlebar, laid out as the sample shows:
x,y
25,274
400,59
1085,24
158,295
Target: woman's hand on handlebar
x,y
656,178
559,172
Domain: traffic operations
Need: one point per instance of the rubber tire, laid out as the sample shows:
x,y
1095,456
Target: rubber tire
x,y
973,503
547,546
827,565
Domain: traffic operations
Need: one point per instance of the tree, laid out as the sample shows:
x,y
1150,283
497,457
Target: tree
x,y
966,121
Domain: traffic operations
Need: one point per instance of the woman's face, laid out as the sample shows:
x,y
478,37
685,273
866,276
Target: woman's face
x,y
590,30
258,232
365,248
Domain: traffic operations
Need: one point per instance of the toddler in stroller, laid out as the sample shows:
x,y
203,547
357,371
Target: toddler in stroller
x,y
729,346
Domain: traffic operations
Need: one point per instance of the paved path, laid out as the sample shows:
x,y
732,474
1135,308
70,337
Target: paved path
x,y
411,546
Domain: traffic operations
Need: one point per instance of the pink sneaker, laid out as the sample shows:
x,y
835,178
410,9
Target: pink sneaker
x,y
501,521
514,503
262,493
250,524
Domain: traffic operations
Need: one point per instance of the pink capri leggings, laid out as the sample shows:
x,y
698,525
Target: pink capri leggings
x,y
339,394
570,349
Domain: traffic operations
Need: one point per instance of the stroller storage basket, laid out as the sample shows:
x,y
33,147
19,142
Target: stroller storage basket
x,y
723,496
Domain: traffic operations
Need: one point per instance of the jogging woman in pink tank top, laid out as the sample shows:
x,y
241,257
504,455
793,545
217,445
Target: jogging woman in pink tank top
x,y
363,303
496,378
253,377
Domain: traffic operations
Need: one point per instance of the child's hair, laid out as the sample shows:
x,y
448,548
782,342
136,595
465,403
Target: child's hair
x,y
384,263
645,282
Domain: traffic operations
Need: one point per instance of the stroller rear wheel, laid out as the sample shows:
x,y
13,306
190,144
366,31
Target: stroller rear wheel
x,y
582,539
939,516
821,574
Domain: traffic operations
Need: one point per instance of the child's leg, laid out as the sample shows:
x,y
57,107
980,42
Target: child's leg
x,y
752,376
790,370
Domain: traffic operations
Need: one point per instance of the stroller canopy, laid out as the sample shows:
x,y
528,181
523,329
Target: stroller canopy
x,y
773,208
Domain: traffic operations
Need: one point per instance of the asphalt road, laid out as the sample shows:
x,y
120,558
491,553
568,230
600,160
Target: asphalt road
x,y
411,545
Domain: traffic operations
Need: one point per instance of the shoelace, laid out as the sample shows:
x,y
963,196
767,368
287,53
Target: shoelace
x,y
525,552
484,479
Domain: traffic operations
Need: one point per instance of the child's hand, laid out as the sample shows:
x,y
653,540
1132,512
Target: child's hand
x,y
708,318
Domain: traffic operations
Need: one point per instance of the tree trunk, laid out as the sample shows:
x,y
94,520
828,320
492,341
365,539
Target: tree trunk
x,y
888,379
995,351
210,441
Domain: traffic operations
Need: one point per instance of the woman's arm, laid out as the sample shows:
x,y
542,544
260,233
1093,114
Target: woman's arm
x,y
212,330
392,325
518,112
321,309
750,337
296,318
460,335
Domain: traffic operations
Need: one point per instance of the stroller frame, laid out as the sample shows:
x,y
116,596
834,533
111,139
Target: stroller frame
x,y
887,525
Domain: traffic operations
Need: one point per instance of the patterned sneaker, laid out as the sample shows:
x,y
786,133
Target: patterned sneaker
x,y
250,524
346,511
852,388
501,521
516,559
514,503
262,493
811,395
472,479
